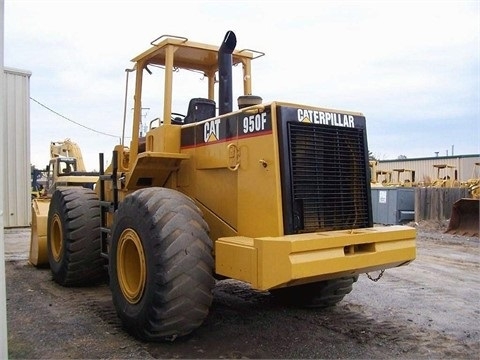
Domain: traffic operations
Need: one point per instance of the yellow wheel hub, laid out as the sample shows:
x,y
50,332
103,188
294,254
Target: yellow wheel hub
x,y
131,266
56,238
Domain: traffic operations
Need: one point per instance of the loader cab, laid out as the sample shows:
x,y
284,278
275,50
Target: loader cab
x,y
66,166
175,58
59,167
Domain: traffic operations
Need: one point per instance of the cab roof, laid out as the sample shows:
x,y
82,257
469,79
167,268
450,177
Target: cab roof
x,y
189,54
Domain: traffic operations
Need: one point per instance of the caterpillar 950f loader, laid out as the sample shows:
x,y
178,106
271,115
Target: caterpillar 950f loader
x,y
273,194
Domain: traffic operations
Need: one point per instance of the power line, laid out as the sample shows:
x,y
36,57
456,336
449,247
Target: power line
x,y
72,121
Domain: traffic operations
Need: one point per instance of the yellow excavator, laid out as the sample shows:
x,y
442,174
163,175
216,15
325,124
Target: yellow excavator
x,y
65,169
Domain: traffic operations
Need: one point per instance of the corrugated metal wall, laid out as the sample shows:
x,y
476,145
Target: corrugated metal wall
x,y
15,133
424,169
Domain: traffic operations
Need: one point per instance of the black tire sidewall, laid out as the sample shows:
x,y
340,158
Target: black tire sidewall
x,y
138,223
80,262
57,207
165,221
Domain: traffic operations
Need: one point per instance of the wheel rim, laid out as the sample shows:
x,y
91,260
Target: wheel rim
x,y
131,266
56,238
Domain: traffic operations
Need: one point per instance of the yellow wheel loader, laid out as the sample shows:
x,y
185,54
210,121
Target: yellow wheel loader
x,y
446,176
274,194
408,179
65,169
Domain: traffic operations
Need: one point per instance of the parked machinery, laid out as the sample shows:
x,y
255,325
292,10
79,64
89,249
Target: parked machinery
x,y
446,176
465,215
274,194
65,169
408,178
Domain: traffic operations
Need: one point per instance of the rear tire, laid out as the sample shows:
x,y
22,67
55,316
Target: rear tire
x,y
160,264
73,237
316,295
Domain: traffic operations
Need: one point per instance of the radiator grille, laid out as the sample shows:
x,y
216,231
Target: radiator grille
x,y
328,177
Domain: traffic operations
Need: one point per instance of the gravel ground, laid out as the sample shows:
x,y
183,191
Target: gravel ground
x,y
426,310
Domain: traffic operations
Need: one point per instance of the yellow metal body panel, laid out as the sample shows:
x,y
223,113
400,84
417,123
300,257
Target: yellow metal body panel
x,y
272,262
259,186
237,182
157,161
142,174
165,138
74,179
216,189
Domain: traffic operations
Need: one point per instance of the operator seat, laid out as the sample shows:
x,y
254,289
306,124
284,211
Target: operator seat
x,y
199,109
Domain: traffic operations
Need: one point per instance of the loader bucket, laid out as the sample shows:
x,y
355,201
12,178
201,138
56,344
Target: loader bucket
x,y
464,219
38,238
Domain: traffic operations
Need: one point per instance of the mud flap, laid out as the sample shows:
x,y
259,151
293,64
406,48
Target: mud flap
x,y
465,217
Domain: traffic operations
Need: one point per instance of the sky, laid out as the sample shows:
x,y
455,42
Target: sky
x,y
411,67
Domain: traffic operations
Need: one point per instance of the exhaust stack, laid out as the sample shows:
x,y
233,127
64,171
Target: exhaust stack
x,y
225,92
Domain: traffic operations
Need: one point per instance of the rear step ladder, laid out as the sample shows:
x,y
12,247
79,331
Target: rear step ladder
x,y
107,206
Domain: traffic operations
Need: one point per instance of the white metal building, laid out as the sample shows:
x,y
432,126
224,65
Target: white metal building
x,y
461,167
3,170
15,133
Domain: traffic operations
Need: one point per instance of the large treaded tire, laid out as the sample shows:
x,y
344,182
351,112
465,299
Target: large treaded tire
x,y
316,295
160,264
73,237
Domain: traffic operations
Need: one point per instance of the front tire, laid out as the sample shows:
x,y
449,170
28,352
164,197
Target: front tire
x,y
73,237
160,264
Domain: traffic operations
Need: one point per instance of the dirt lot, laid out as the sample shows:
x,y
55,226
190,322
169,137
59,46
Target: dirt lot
x,y
429,309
